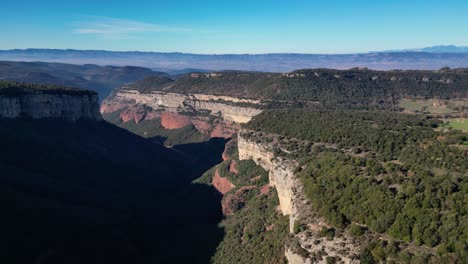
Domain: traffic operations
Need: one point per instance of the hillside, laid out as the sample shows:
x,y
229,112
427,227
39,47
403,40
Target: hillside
x,y
379,186
355,88
101,79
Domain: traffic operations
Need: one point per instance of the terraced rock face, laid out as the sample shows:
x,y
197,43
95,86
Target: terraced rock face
x,y
212,116
173,102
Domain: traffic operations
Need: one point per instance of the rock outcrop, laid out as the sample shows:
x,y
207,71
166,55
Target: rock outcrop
x,y
304,246
228,107
38,105
170,120
280,171
213,116
223,185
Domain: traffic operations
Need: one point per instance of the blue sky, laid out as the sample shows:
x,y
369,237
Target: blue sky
x,y
237,26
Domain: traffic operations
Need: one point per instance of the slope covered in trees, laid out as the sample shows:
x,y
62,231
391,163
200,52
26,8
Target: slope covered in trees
x,y
255,232
400,176
355,88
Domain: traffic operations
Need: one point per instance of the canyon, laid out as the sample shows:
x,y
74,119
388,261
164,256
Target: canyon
x,y
180,110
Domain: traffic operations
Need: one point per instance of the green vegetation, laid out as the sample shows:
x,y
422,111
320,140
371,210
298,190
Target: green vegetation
x,y
355,88
248,238
9,88
392,173
458,123
153,130
385,136
246,169
151,83
256,232
437,107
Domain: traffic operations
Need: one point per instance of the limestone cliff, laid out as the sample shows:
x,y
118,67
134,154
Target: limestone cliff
x,y
41,104
280,170
212,116
303,246
224,105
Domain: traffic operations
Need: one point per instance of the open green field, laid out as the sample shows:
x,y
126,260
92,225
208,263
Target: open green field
x,y
458,123
428,106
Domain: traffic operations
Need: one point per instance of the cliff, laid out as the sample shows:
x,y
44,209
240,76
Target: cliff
x,y
173,102
302,246
157,113
38,102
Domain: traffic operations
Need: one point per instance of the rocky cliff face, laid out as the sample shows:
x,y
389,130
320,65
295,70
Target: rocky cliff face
x,y
280,170
303,246
40,105
213,116
173,102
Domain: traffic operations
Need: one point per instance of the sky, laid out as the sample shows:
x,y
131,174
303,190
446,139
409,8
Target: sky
x,y
235,26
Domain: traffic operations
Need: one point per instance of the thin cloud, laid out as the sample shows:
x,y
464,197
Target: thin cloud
x,y
112,26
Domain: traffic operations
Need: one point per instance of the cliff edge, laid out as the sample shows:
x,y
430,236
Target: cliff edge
x,y
19,100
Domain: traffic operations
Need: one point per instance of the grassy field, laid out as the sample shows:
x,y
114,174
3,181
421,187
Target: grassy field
x,y
427,106
458,123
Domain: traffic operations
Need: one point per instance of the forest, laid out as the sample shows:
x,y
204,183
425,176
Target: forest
x,y
351,89
394,174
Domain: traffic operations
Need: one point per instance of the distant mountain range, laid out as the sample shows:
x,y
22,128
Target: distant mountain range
x,y
175,63
97,78
434,49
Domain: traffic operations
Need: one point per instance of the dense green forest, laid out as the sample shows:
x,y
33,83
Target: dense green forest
x,y
355,88
395,174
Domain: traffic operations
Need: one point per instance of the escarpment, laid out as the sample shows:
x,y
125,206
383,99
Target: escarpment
x,y
303,246
51,102
199,115
224,105
280,171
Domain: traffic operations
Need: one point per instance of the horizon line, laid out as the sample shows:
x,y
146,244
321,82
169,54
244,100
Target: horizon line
x,y
414,50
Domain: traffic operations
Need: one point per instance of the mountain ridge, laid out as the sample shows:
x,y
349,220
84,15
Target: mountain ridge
x,y
271,62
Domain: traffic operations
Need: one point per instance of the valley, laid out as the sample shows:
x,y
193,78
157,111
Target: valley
x,y
351,146
234,132
355,171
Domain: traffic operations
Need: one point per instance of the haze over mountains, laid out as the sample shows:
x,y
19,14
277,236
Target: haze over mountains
x,y
430,58
435,49
93,77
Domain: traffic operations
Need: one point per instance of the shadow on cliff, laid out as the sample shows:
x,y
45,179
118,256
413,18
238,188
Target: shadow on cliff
x,y
204,155
90,192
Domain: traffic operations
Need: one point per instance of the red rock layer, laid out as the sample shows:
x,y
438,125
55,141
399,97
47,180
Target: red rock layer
x,y
202,126
223,185
171,120
233,167
110,107
225,130
132,114
265,189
